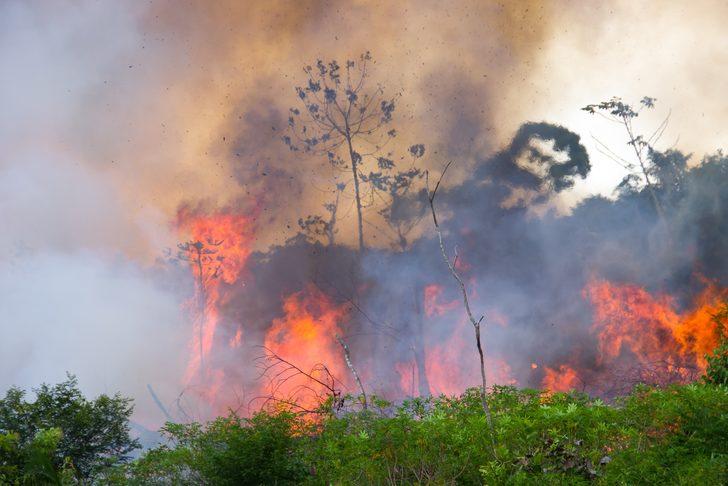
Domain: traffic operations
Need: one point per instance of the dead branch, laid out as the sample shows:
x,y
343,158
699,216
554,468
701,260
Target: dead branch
x,y
347,357
318,383
159,403
475,322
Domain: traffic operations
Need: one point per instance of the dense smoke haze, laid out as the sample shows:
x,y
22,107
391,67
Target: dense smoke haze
x,y
132,128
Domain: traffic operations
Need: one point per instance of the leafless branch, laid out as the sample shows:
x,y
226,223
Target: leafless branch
x,y
475,322
347,357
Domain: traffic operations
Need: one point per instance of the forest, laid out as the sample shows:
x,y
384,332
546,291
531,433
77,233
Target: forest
x,y
329,243
671,435
638,397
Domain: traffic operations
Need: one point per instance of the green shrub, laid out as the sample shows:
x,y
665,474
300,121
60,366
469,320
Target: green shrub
x,y
435,440
675,435
717,372
63,431
265,449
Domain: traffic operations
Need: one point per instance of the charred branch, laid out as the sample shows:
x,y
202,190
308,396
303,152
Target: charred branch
x,y
347,357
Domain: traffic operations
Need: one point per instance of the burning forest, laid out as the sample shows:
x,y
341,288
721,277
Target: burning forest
x,y
599,300
237,211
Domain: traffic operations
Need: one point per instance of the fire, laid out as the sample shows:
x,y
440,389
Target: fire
x,y
648,331
628,318
237,339
643,337
408,376
562,379
451,363
699,333
306,337
217,252
434,306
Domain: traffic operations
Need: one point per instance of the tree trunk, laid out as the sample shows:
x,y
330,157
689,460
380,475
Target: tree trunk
x,y
201,309
418,344
355,172
645,173
350,364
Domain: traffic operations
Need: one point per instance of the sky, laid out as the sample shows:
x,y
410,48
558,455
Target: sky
x,y
116,113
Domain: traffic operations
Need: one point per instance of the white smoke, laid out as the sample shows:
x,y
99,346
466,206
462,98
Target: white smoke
x,y
77,293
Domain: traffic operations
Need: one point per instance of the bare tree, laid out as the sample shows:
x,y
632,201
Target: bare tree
x,y
206,263
475,322
620,112
347,121
289,383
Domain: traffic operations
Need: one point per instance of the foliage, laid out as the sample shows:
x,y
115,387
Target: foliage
x,y
32,463
265,449
654,436
717,371
61,430
675,435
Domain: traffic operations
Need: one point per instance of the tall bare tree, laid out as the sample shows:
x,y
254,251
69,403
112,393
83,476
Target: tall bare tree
x,y
206,264
476,323
347,120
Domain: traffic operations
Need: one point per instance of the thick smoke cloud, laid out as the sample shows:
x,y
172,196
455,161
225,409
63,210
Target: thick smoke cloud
x,y
107,322
72,300
78,293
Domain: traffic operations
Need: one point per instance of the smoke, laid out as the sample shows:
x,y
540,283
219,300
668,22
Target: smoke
x,y
72,300
78,292
119,113
106,322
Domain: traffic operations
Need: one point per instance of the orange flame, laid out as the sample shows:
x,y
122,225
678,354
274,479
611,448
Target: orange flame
x,y
562,379
217,252
634,326
306,337
434,306
408,376
447,371
627,317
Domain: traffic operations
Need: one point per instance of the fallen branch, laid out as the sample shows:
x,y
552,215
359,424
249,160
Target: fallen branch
x,y
159,403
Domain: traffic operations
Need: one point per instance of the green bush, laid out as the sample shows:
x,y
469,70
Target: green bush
x,y
32,462
672,435
265,449
654,436
62,431
717,372
434,440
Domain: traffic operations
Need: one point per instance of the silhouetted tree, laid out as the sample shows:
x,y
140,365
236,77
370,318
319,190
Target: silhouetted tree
x,y
206,264
348,121
618,111
315,227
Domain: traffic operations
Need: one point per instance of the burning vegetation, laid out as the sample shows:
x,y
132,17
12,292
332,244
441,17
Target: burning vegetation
x,y
618,292
415,265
